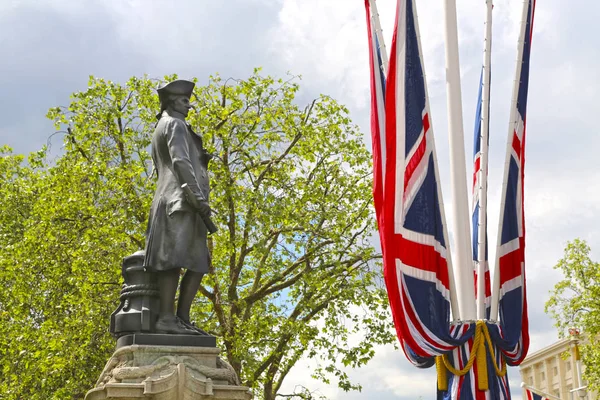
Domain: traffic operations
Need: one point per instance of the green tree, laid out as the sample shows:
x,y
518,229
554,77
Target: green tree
x,y
575,302
294,274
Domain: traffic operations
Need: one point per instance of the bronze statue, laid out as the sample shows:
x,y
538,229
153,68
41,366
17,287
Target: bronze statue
x,y
179,219
157,344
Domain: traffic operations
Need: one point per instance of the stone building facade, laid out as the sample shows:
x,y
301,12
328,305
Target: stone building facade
x,y
556,370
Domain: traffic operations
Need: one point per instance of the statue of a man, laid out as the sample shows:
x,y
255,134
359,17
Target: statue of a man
x,y
176,234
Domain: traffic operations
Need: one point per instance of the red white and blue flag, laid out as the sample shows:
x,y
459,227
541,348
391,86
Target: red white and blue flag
x,y
533,396
410,208
415,250
510,253
412,227
416,256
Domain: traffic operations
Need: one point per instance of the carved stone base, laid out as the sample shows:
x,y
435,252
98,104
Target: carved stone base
x,y
167,373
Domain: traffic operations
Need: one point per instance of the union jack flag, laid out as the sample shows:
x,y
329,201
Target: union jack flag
x,y
412,227
534,396
511,234
414,233
410,215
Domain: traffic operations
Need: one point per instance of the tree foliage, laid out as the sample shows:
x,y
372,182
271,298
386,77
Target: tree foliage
x,y
294,274
575,303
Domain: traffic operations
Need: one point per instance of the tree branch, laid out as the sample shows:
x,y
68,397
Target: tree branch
x,y
297,137
124,106
119,141
258,276
208,294
77,147
274,359
271,287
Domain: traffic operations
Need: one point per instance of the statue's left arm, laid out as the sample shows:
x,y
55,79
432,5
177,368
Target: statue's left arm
x,y
179,149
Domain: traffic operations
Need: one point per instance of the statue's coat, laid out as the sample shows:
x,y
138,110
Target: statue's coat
x,y
176,235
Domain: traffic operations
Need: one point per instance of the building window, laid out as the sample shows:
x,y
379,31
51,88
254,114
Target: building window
x,y
555,371
543,376
568,364
531,380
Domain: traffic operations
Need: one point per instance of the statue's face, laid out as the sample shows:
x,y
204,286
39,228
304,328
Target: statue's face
x,y
182,105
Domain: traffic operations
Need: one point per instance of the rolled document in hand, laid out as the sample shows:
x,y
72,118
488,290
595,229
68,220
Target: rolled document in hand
x,y
191,196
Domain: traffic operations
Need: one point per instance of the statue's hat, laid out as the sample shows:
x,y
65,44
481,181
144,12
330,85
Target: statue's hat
x,y
178,87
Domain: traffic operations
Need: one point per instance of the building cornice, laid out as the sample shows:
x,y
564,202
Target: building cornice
x,y
557,347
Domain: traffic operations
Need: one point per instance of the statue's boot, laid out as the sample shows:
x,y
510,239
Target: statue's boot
x,y
173,325
190,325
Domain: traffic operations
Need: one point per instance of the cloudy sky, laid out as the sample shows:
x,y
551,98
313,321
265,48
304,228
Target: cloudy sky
x,y
49,48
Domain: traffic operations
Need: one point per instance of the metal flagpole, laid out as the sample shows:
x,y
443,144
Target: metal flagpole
x,y
580,385
483,171
452,283
460,211
511,128
379,34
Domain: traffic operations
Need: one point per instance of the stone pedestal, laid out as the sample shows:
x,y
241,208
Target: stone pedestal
x,y
155,372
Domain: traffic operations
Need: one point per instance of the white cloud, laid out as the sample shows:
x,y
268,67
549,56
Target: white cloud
x,y
323,42
385,374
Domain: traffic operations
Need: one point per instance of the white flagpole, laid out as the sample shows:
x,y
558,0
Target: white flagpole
x,y
512,125
379,34
483,171
458,171
452,283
